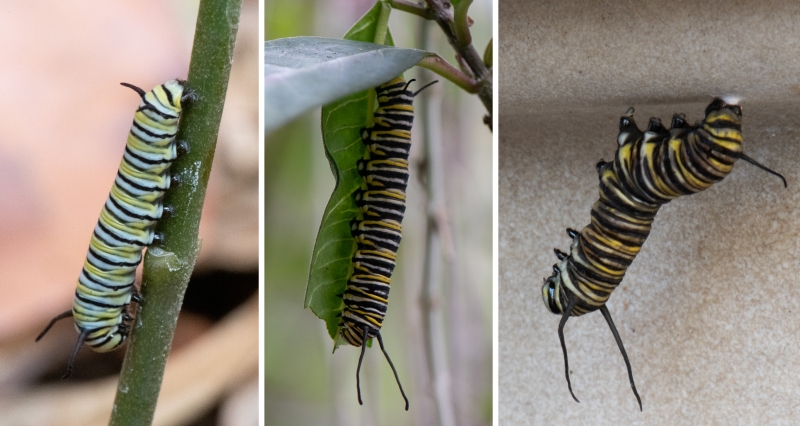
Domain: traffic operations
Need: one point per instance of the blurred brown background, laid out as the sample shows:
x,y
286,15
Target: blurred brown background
x,y
304,382
64,124
708,311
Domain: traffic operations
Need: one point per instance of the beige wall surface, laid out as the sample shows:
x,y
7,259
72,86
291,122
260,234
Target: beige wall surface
x,y
710,309
563,53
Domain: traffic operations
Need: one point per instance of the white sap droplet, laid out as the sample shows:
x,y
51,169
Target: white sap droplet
x,y
731,99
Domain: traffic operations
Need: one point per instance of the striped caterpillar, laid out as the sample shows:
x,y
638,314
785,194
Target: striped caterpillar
x,y
649,170
382,205
126,224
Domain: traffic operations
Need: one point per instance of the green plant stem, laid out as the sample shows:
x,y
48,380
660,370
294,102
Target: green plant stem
x,y
167,268
443,15
438,65
455,24
461,22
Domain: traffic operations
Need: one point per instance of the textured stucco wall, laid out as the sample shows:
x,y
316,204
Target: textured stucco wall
x,y
710,310
563,53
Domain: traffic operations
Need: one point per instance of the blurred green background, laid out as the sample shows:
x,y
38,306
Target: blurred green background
x,y
304,382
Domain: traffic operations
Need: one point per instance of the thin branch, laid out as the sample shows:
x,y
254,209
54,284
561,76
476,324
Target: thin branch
x,y
443,15
438,65
464,66
413,8
455,25
167,268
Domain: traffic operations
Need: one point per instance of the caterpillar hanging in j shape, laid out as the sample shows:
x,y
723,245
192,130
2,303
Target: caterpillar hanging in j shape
x,y
649,169
382,203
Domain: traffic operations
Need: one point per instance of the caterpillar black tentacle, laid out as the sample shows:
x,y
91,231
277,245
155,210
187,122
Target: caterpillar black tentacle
x,y
382,204
126,223
649,169
762,167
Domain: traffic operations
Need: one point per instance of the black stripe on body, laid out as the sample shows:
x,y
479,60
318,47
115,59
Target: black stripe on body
x,y
115,242
696,162
368,284
378,235
389,205
130,226
168,92
103,257
373,308
596,258
162,112
99,304
613,194
141,157
92,278
125,209
135,185
714,148
383,174
670,174
394,119
145,133
373,263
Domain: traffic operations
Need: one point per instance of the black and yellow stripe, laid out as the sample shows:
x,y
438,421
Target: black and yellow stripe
x,y
382,203
649,169
127,221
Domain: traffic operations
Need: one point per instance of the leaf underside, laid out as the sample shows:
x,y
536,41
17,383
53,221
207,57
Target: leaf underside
x,y
301,73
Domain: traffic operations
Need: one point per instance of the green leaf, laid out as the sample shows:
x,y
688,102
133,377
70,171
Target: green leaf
x,y
341,125
304,72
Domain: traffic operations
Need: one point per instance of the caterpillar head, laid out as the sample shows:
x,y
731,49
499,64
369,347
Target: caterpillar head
x,y
177,93
727,109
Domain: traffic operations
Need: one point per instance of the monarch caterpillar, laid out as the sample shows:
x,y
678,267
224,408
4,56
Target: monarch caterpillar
x,y
649,169
382,205
126,223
